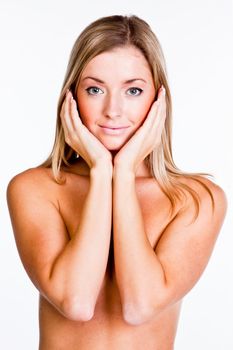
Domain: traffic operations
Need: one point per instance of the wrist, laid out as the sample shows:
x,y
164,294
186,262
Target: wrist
x,y
103,169
123,172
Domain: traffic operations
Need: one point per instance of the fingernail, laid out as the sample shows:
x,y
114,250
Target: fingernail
x,y
163,90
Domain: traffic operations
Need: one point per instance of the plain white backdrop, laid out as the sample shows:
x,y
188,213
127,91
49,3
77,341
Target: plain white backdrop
x,y
36,39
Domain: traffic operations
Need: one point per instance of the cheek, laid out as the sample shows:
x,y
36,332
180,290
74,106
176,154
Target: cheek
x,y
86,111
140,113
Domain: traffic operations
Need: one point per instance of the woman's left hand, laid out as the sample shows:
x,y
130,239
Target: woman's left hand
x,y
145,139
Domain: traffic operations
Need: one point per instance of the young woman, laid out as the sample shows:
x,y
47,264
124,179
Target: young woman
x,y
109,230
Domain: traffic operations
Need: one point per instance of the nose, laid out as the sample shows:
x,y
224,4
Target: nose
x,y
113,106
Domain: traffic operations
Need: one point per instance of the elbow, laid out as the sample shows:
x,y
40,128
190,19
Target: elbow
x,y
145,312
75,310
136,316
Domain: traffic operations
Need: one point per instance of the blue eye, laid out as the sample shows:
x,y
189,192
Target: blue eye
x,y
93,90
136,91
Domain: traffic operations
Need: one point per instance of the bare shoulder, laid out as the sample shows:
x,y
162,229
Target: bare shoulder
x,y
31,184
33,177
210,195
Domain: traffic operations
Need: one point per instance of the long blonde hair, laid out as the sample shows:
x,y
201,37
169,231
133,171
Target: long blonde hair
x,y
103,35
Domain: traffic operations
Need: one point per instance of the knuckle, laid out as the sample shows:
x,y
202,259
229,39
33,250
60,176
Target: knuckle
x,y
67,138
62,113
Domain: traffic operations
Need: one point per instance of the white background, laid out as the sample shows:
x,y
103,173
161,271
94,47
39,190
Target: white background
x,y
36,38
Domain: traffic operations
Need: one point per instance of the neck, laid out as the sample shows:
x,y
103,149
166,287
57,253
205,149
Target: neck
x,y
82,167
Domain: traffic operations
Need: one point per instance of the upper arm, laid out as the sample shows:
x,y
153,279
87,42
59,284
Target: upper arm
x,y
185,248
39,230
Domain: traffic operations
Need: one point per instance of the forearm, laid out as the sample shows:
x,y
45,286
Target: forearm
x,y
79,271
139,273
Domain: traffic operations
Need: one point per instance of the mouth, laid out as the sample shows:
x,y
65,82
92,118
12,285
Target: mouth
x,y
114,130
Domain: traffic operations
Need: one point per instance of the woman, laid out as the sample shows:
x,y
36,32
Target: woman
x,y
109,230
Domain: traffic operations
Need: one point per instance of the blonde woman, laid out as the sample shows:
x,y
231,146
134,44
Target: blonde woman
x,y
110,231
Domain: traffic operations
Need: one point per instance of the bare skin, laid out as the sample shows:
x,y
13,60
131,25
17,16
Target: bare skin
x,y
110,263
107,328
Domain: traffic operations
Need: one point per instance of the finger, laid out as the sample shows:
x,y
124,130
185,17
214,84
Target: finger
x,y
161,111
145,130
77,123
157,130
68,110
159,121
155,115
155,106
148,122
65,117
153,125
62,113
152,114
63,106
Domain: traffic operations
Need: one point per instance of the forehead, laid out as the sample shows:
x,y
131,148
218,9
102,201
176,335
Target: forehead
x,y
119,62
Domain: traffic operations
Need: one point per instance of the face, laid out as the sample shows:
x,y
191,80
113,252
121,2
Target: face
x,y
114,95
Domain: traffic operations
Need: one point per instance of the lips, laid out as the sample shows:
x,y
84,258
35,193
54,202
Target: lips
x,y
113,127
113,130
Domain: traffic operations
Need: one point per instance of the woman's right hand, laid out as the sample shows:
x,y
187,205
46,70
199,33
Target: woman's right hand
x,y
79,138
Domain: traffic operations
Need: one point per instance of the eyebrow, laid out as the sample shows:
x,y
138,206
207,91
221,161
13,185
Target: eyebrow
x,y
125,82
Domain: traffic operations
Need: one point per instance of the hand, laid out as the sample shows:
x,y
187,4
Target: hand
x,y
145,139
79,138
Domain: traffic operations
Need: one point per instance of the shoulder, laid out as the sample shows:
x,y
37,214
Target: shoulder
x,y
30,182
31,174
211,197
204,186
39,184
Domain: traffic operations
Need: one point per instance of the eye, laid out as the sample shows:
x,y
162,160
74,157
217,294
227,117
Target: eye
x,y
135,91
93,90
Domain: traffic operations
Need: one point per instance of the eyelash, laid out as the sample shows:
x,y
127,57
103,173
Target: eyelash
x,y
95,87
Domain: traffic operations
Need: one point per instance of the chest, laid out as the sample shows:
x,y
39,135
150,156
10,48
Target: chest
x,y
154,206
155,209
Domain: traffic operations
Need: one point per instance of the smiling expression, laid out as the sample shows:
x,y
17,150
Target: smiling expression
x,y
114,95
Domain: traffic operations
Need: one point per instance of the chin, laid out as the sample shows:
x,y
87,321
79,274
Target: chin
x,y
114,145
112,149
